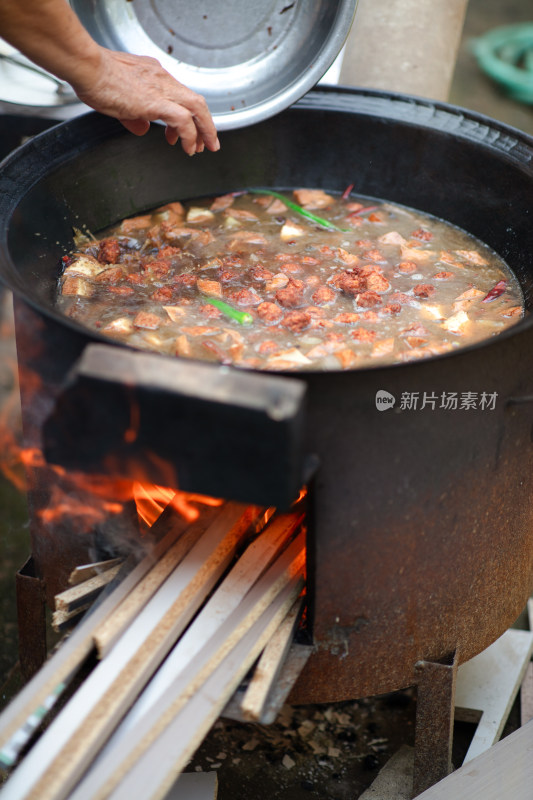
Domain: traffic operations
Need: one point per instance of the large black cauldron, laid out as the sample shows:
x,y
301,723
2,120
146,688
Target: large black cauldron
x,y
422,535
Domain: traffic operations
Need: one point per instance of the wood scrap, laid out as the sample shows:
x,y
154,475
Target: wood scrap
x,y
61,620
86,591
64,751
269,666
108,633
176,745
85,571
293,665
251,564
124,751
504,770
66,661
488,683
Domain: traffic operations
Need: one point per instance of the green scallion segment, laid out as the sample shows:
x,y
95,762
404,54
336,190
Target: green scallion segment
x,y
299,210
239,316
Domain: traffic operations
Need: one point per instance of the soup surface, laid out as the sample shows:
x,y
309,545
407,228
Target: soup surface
x,y
302,280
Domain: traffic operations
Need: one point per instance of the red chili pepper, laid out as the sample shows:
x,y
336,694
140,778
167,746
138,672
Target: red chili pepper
x,y
495,292
345,195
362,211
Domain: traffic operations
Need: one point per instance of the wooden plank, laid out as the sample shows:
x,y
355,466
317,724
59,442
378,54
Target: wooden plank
x,y
67,747
269,666
176,745
296,660
84,591
121,754
489,683
108,633
63,619
66,661
503,771
85,571
251,564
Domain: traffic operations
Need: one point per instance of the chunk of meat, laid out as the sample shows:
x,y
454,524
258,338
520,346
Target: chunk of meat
x,y
169,251
422,235
268,347
392,237
375,255
108,251
348,258
176,313
244,238
313,198
391,308
347,318
244,297
346,358
323,296
121,291
259,273
146,320
296,321
377,283
162,295
242,214
415,254
211,288
349,282
291,296
137,279
269,312
368,299
228,275
363,335
291,268
185,279
473,257
407,267
222,202
75,285
210,311
443,276
134,224
423,290
111,276
382,348
158,268
279,281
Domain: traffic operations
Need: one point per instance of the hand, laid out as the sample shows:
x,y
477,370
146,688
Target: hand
x,y
137,90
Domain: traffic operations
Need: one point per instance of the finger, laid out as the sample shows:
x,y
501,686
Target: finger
x,y
204,122
137,126
178,119
171,135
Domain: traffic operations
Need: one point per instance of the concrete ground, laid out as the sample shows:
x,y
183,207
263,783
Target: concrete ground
x,y
369,731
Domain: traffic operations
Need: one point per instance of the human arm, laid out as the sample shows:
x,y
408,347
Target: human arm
x,y
133,89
